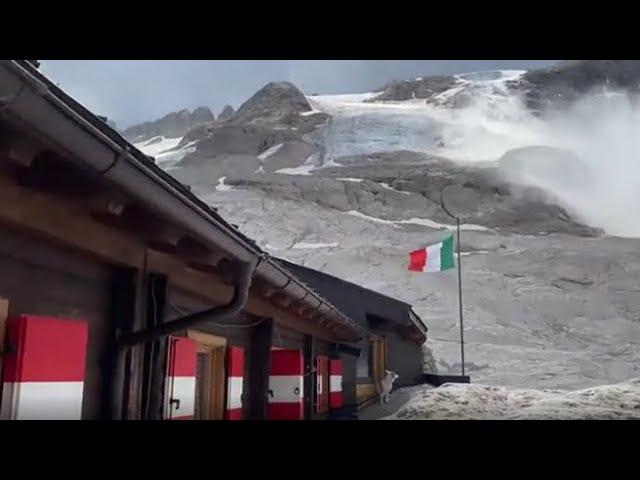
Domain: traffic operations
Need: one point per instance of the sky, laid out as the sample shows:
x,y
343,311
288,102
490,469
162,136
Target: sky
x,y
134,91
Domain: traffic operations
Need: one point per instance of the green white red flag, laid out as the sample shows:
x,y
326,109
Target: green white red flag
x,y
434,258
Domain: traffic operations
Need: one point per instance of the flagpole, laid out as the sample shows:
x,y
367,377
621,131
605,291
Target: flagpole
x,y
460,295
459,274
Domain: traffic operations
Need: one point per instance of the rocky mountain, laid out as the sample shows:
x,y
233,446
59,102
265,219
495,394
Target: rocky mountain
x,y
554,87
280,106
419,88
349,184
273,130
562,84
173,125
226,113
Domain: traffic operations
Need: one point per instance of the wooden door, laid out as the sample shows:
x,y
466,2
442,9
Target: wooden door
x,y
322,384
378,359
210,376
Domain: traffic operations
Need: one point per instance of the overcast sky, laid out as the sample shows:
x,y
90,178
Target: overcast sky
x,y
130,91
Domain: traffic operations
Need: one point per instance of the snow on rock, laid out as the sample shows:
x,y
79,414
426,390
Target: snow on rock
x,y
417,221
482,402
304,169
491,76
267,153
319,102
157,145
306,245
389,187
475,252
165,150
492,121
301,170
221,187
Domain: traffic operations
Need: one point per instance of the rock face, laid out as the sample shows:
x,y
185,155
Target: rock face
x,y
272,130
279,105
226,113
202,115
549,301
556,87
391,190
562,84
424,88
541,311
173,125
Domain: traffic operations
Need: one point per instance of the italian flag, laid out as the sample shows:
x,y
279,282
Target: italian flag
x,y
434,258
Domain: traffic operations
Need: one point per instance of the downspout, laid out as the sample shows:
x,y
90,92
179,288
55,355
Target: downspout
x,y
237,303
221,312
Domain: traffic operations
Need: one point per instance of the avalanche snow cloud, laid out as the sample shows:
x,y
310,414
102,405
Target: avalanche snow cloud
x,y
600,130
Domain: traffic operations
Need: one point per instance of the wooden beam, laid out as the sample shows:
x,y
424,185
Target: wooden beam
x,y
69,225
66,223
199,256
310,376
113,211
263,289
19,150
4,314
50,172
115,393
206,285
107,203
153,381
258,375
282,300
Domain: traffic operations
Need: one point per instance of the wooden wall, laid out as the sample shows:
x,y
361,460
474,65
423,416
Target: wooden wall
x,y
42,280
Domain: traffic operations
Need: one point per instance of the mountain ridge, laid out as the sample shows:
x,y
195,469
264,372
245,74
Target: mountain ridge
x,y
549,300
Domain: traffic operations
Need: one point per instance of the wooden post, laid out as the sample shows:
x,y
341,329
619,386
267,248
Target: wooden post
x,y
4,313
156,350
115,388
309,377
258,375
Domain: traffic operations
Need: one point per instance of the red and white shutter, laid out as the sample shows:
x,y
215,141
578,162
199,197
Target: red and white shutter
x,y
285,385
322,383
235,371
335,383
44,369
181,379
